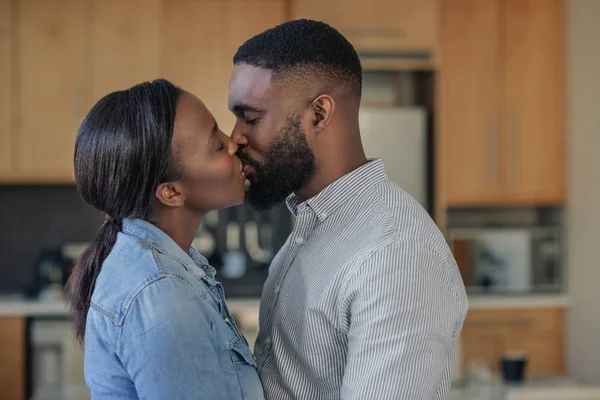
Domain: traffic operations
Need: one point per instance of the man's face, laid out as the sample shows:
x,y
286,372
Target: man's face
x,y
276,154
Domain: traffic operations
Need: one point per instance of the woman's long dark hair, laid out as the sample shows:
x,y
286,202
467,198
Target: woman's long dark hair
x,y
123,151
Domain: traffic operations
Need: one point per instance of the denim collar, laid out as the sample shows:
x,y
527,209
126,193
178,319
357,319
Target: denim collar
x,y
163,243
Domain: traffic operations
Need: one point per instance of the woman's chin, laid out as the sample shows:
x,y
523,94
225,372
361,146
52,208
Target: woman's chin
x,y
238,195
239,198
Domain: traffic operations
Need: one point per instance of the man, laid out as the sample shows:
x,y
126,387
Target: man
x,y
364,301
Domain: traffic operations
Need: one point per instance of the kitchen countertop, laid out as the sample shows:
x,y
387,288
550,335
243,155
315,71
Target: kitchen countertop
x,y
14,306
480,301
11,306
537,388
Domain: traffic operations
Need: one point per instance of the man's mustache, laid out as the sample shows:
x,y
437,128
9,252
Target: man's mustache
x,y
246,159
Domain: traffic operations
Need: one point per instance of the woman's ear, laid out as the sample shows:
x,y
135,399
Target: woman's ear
x,y
323,108
170,194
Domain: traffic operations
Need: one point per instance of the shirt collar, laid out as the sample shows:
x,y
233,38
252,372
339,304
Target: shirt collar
x,y
341,191
164,244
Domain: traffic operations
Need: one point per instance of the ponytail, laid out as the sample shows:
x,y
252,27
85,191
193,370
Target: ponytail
x,y
82,280
123,151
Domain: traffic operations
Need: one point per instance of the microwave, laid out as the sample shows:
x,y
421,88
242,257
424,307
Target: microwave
x,y
510,260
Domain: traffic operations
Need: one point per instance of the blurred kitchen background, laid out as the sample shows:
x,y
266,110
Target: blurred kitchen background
x,y
485,110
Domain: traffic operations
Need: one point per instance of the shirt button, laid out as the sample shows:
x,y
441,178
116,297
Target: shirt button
x,y
300,240
226,319
277,289
268,341
323,215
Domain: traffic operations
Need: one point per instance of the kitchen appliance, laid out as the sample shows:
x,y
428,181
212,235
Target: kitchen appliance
x,y
509,259
240,243
56,361
51,275
399,136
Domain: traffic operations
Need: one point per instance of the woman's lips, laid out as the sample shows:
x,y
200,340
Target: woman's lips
x,y
247,170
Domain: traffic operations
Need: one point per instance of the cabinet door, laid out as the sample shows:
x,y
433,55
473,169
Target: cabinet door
x,y
125,39
245,18
377,25
13,350
200,39
6,79
193,48
482,346
536,333
534,86
469,139
53,76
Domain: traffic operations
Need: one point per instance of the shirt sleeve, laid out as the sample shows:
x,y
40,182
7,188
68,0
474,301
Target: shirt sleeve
x,y
167,344
405,313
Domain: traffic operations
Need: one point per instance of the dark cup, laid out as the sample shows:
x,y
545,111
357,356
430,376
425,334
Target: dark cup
x,y
513,368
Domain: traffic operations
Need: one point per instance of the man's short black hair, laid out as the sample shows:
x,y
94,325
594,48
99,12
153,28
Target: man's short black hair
x,y
304,46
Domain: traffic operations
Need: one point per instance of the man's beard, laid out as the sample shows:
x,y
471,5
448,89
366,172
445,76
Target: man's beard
x,y
289,164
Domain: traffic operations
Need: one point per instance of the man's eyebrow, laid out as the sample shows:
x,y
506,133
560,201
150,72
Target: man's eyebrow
x,y
243,107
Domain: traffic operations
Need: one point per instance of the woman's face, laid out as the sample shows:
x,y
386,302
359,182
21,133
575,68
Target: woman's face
x,y
212,176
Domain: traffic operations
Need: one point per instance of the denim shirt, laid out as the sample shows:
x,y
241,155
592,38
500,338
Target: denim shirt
x,y
159,328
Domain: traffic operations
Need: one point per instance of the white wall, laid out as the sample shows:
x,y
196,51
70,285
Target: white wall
x,y
583,215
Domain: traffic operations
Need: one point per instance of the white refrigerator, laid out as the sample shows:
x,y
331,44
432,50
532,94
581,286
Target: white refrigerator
x,y
398,135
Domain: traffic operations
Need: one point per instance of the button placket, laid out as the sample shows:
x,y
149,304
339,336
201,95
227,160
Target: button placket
x,y
305,222
219,297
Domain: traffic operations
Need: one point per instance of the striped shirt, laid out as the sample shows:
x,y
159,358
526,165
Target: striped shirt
x,y
364,301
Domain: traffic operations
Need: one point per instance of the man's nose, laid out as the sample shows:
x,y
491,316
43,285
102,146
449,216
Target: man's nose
x,y
238,137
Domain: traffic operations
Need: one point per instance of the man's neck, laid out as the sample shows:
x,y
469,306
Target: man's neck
x,y
329,173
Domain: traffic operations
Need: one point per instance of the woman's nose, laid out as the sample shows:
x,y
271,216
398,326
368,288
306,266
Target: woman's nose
x,y
233,147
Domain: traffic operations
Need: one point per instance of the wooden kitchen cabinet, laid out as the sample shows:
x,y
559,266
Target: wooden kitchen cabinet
x,y
534,100
6,79
379,27
125,42
53,56
470,105
194,49
502,85
203,65
59,57
246,18
536,333
13,343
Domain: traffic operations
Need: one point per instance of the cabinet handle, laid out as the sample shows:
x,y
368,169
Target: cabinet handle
x,y
492,147
513,159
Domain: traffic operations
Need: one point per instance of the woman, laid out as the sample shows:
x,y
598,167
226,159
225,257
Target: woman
x,y
153,317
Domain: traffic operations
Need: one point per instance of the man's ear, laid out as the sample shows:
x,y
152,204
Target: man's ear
x,y
323,108
170,194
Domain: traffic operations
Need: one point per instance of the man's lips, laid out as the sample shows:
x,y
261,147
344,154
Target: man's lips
x,y
248,169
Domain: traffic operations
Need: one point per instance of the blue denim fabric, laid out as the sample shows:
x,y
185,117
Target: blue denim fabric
x,y
159,328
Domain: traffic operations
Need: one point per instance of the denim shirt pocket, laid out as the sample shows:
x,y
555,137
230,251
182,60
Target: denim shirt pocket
x,y
245,368
240,352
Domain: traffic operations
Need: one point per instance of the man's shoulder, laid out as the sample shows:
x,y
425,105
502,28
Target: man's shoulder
x,y
388,215
389,204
